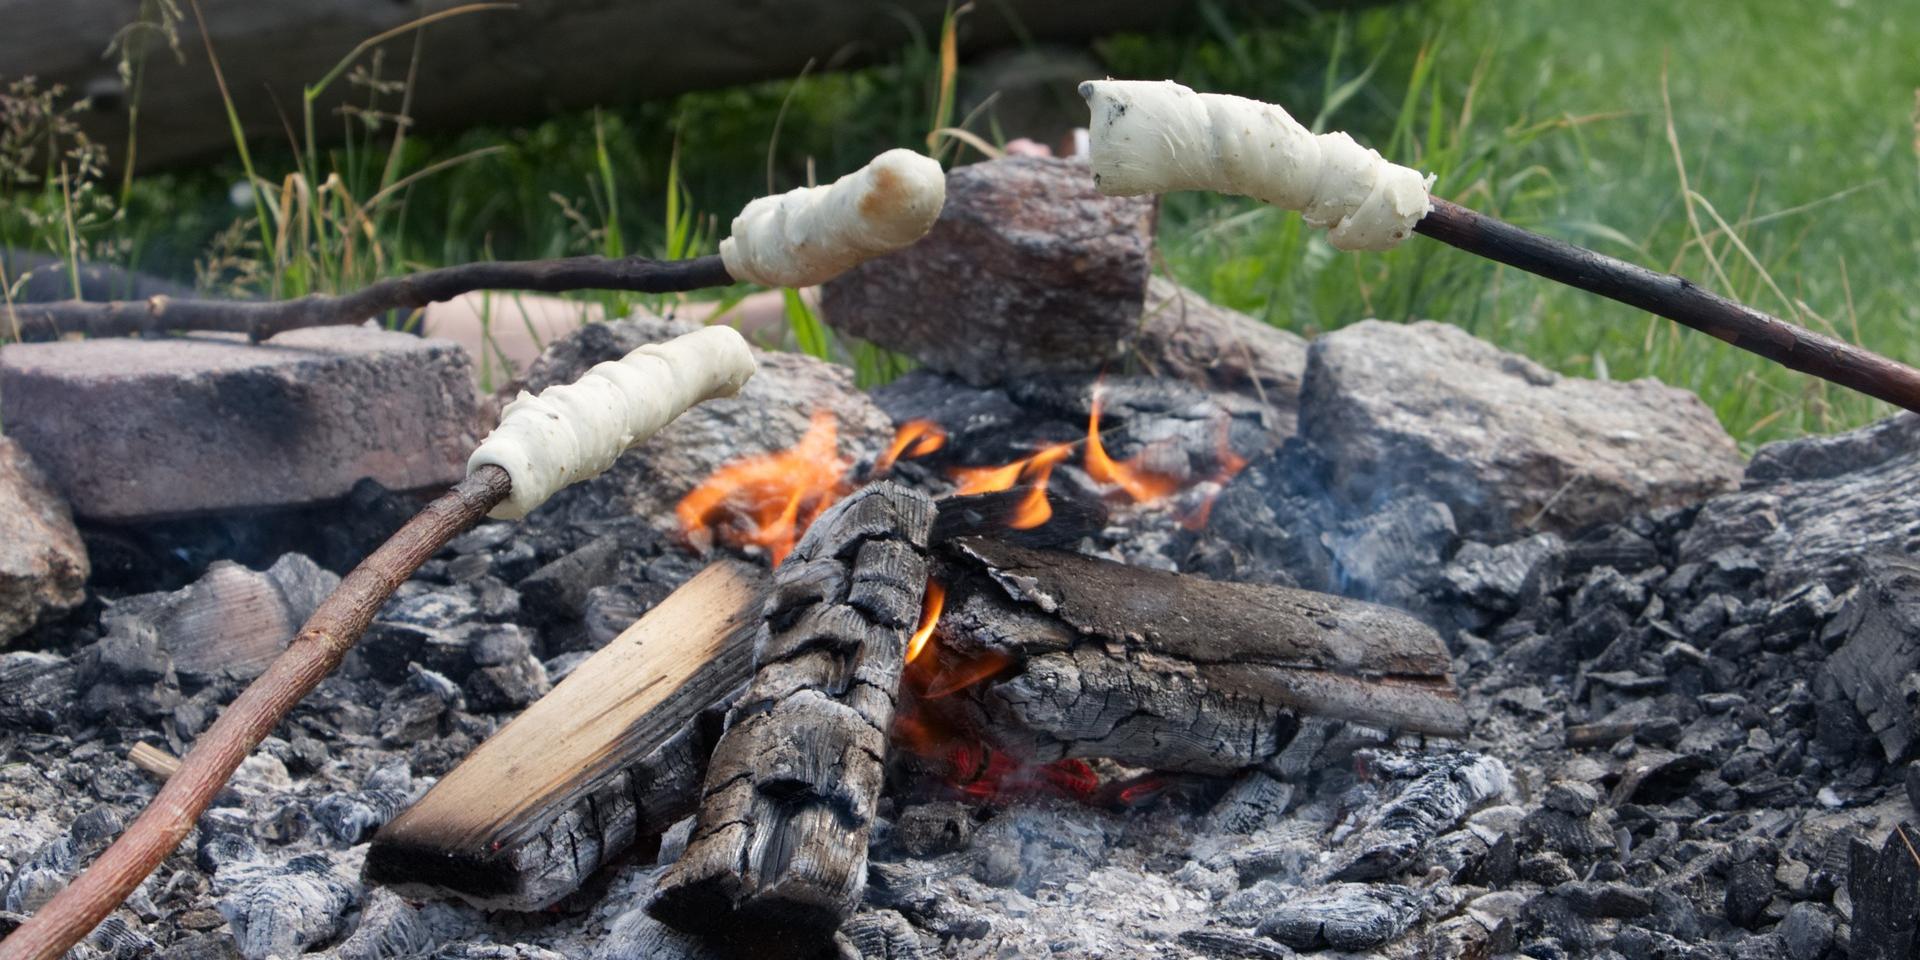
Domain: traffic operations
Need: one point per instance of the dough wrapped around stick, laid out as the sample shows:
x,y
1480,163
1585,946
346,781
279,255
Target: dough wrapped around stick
x,y
811,234
573,431
1158,137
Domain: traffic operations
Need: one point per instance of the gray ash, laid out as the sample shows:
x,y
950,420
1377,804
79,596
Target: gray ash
x,y
1692,732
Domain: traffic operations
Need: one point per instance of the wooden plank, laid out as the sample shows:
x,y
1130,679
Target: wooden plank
x,y
615,752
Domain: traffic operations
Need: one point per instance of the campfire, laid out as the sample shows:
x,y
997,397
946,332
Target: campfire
x,y
1143,629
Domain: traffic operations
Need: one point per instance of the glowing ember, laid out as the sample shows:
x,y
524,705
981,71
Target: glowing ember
x,y
1142,485
915,438
767,500
929,618
1036,470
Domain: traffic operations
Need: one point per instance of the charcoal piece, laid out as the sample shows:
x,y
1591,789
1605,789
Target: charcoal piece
x,y
1598,900
882,935
908,887
1233,945
1878,667
1656,776
617,750
41,876
1344,916
1749,889
233,621
36,690
1444,788
1610,546
1177,672
634,935
1384,554
1885,886
1812,507
279,910
1495,578
1807,930
507,686
931,829
389,927
557,592
1254,800
780,843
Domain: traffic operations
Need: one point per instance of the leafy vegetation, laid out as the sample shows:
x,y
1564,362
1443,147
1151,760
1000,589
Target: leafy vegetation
x,y
1770,151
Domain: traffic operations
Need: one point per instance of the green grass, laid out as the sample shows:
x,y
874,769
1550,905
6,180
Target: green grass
x,y
1792,128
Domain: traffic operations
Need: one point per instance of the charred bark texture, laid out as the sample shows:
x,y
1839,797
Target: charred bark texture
x,y
1170,671
1878,668
616,752
780,843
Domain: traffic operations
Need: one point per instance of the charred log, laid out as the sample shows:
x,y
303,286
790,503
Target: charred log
x,y
614,753
779,846
1083,657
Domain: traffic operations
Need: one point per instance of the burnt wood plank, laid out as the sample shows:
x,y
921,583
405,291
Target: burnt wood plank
x,y
615,752
779,846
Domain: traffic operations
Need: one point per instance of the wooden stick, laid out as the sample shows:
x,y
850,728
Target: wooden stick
x,y
314,652
260,319
158,763
1676,298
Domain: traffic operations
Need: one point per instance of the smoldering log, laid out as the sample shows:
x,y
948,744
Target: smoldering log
x,y
779,845
1170,671
614,753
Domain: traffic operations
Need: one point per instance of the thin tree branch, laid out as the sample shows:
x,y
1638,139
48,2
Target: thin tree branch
x,y
1678,299
262,319
336,625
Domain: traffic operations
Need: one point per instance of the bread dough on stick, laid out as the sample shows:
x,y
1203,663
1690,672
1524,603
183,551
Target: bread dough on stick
x,y
573,431
811,234
1158,137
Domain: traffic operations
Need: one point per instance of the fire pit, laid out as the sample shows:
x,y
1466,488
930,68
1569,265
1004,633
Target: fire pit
x,y
1202,642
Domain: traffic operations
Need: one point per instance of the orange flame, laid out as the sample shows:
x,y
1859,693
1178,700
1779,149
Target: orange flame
x,y
965,674
1034,509
929,617
915,438
767,500
1142,485
1229,466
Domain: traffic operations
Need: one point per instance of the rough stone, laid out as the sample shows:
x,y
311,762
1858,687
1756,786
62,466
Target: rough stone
x,y
1183,335
1504,442
1029,270
770,413
1810,507
43,565
135,429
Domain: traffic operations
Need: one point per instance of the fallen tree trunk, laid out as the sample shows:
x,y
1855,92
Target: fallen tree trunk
x,y
1063,655
614,753
498,66
779,846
